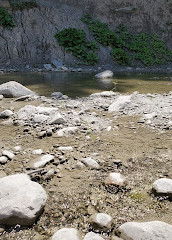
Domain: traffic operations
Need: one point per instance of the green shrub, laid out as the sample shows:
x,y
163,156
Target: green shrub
x,y
6,20
74,40
121,56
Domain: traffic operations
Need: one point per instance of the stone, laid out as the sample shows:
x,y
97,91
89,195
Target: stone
x,y
17,148
66,131
79,165
65,148
3,159
26,112
14,89
66,234
101,221
92,236
56,94
163,186
64,68
57,63
155,230
8,154
57,119
21,200
37,151
6,114
120,103
1,97
48,67
43,161
105,74
91,163
40,118
115,179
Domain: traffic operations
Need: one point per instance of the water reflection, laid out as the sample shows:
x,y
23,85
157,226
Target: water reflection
x,y
83,84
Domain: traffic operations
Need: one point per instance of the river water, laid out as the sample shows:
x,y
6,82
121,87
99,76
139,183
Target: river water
x,y
84,84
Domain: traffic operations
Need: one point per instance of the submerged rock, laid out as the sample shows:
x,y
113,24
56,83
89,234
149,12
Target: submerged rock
x,y
21,200
66,234
14,89
105,74
155,230
43,161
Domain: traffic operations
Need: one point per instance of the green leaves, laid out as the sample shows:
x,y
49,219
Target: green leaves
x,y
121,56
6,20
74,40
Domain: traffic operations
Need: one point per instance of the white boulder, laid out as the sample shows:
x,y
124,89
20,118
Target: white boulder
x,y
8,154
21,200
91,163
101,221
105,74
66,234
43,160
14,89
155,230
115,179
92,236
120,103
163,186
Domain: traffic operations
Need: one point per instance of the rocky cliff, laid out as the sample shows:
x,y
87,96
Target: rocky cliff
x,y
32,39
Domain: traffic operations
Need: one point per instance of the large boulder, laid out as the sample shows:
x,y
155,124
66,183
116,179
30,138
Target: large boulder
x,y
105,74
67,234
21,200
120,103
155,230
14,89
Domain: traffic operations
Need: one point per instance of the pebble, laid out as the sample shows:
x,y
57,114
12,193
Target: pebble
x,y
65,148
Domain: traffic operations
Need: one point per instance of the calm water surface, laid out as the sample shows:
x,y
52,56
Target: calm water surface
x,y
83,84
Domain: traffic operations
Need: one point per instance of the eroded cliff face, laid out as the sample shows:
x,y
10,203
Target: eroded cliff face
x,y
33,41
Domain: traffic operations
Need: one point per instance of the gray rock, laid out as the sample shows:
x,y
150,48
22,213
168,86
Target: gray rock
x,y
163,186
120,103
92,236
8,154
26,112
6,114
66,234
57,119
14,89
1,97
40,118
115,179
105,74
43,161
66,131
56,94
21,200
3,159
37,151
91,163
48,67
155,230
57,63
101,221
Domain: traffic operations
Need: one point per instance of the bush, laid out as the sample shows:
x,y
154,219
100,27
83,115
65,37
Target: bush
x,y
6,20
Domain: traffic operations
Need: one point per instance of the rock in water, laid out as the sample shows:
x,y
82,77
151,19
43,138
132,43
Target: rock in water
x,y
105,74
67,234
163,186
155,230
14,89
21,200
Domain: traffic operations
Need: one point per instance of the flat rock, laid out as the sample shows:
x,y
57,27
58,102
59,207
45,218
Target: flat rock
x,y
1,97
66,131
14,89
155,230
120,103
37,151
43,160
8,154
91,163
163,186
57,119
21,200
105,74
6,114
101,221
67,234
115,179
92,236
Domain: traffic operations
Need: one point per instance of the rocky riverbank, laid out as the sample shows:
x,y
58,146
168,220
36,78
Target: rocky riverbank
x,y
97,159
